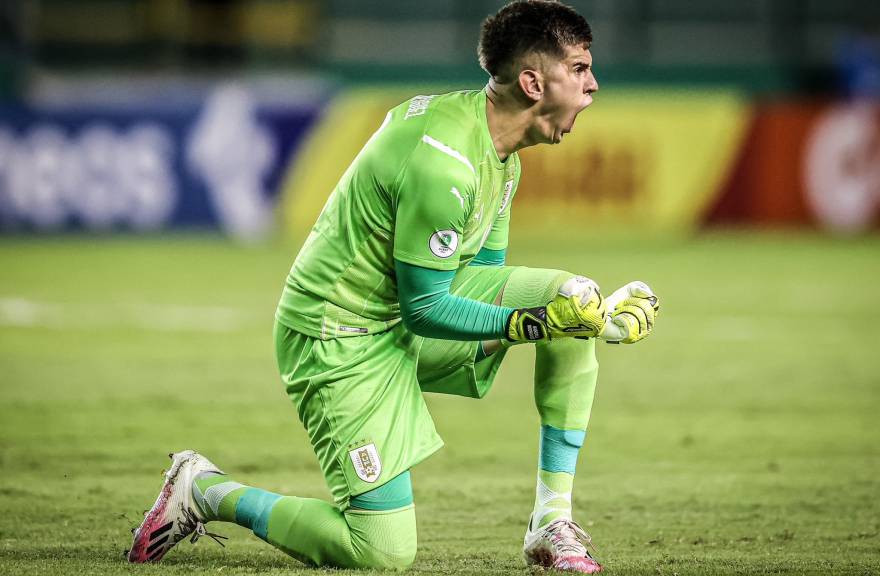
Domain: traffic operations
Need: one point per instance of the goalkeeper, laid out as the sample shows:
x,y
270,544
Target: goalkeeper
x,y
402,288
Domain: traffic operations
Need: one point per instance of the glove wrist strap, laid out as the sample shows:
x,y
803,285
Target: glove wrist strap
x,y
527,324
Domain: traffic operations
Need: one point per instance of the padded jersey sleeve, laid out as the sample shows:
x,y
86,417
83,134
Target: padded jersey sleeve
x,y
434,198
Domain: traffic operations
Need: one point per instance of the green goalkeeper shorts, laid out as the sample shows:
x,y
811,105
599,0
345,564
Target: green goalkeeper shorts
x,y
360,403
360,398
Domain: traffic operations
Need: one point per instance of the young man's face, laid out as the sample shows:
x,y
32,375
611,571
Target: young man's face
x,y
568,87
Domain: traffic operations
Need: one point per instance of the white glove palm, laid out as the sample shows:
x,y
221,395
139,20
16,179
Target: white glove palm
x,y
631,312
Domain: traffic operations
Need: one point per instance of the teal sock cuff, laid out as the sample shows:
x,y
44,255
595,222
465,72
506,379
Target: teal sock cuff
x,y
253,508
396,493
559,449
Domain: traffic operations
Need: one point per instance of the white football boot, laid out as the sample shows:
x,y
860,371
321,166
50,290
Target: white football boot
x,y
174,516
560,545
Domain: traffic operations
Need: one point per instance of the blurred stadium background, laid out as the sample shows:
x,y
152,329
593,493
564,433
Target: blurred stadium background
x,y
161,160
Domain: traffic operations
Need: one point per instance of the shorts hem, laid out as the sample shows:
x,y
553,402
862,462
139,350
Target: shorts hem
x,y
378,512
344,504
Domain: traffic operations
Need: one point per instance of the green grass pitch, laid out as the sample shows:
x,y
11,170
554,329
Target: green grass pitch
x,y
742,438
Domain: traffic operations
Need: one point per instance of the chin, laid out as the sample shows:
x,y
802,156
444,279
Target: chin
x,y
556,137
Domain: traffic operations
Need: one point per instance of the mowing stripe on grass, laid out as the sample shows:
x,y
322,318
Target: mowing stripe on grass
x,y
26,313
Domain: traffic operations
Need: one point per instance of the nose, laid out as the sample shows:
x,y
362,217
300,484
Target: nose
x,y
592,84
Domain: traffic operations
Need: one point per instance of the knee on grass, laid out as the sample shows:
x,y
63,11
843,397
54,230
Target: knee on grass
x,y
383,540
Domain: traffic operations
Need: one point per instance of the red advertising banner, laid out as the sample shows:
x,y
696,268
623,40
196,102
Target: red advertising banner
x,y
806,163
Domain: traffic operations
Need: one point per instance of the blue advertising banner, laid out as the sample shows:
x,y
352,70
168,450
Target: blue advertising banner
x,y
215,163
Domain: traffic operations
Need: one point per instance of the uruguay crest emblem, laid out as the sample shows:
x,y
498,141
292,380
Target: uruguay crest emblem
x,y
367,464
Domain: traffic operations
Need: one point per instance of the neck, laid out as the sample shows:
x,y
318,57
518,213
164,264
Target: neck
x,y
510,120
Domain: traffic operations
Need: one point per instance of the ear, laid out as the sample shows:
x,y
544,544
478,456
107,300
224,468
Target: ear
x,y
531,82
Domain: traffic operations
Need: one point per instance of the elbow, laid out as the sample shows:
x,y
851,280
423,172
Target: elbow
x,y
414,321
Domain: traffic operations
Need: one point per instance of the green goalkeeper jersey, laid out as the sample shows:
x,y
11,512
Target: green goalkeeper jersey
x,y
427,189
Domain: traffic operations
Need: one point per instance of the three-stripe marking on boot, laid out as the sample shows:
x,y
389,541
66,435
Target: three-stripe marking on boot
x,y
156,544
157,539
158,553
161,530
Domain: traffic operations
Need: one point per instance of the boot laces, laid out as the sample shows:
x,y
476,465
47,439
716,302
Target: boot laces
x,y
569,538
191,523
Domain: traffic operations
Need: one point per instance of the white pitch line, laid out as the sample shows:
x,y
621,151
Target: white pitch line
x,y
22,312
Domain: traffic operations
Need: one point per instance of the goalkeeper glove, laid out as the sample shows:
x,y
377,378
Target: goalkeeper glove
x,y
631,313
578,311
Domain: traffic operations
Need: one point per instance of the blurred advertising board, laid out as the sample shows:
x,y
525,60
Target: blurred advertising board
x,y
345,126
815,164
636,161
140,164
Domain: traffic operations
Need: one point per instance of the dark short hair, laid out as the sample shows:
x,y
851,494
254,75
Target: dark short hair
x,y
529,26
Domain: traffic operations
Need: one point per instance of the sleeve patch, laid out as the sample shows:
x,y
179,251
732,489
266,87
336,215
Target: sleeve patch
x,y
443,243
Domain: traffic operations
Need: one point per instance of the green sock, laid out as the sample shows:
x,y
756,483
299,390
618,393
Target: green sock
x,y
566,372
316,532
312,531
216,496
553,497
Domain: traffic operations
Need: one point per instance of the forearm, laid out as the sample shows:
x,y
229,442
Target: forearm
x,y
428,309
456,318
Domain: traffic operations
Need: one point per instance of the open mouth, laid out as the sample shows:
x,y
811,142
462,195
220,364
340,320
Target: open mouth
x,y
589,100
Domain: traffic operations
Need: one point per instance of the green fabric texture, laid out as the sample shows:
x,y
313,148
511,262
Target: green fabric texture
x,y
318,533
489,257
253,510
428,189
226,509
559,449
360,403
396,493
566,370
448,366
561,483
480,353
429,310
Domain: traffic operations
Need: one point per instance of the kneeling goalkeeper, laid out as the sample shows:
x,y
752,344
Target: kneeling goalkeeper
x,y
402,288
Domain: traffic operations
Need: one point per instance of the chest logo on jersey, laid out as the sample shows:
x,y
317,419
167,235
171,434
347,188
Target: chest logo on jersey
x,y
508,190
366,462
443,243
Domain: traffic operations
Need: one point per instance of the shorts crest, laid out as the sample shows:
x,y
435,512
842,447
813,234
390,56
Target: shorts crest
x,y
367,464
